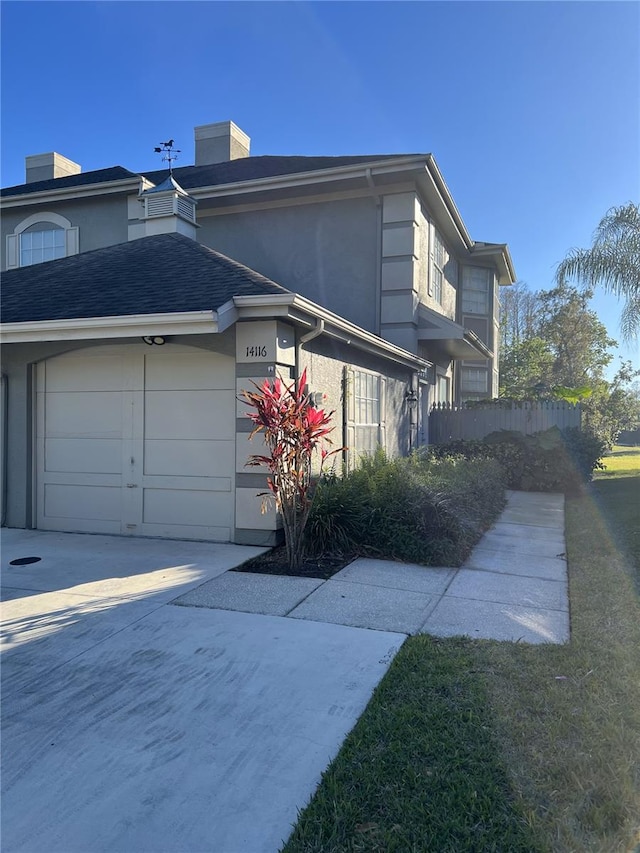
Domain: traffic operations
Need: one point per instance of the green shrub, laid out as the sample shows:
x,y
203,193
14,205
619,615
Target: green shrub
x,y
552,460
420,509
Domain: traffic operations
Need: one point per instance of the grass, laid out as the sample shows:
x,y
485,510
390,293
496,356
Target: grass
x,y
621,462
481,746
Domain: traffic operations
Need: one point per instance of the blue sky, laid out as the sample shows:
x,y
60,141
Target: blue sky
x,y
530,108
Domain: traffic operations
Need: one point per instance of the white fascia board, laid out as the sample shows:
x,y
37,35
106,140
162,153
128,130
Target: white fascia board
x,y
125,326
447,199
316,176
287,304
70,193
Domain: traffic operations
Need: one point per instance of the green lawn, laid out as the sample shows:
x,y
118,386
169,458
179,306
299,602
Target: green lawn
x,y
621,462
485,746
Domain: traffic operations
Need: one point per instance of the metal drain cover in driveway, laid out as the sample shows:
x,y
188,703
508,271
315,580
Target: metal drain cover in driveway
x,y
24,561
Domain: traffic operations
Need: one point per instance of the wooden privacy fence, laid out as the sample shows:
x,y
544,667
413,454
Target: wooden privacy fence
x,y
450,422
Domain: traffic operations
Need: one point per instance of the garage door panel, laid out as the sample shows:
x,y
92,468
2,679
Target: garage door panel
x,y
86,373
186,507
187,458
193,415
95,503
189,371
83,456
83,415
137,443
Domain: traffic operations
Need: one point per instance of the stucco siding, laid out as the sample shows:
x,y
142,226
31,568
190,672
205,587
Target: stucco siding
x,y
101,221
325,361
325,251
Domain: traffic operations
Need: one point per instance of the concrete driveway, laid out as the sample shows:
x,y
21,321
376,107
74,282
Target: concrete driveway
x,y
134,726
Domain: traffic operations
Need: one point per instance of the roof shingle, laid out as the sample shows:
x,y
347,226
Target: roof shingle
x,y
161,274
189,177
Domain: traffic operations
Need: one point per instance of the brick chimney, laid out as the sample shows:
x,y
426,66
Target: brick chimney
x,y
220,142
44,167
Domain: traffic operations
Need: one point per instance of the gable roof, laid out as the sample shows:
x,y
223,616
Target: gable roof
x,y
161,274
189,177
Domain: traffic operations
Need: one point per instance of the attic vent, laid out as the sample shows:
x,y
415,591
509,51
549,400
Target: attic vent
x,y
186,209
159,206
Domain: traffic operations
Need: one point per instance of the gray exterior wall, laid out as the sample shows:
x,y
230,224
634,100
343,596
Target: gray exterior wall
x,y
102,221
325,360
326,252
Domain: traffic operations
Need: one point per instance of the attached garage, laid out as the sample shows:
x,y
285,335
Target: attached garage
x,y
137,440
108,434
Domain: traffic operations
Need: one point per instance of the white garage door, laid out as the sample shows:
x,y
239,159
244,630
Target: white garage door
x,y
137,440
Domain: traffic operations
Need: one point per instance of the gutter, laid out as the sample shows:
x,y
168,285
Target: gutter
x,y
122,326
316,176
103,188
334,326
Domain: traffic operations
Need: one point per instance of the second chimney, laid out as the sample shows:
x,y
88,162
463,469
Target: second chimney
x,y
44,167
220,142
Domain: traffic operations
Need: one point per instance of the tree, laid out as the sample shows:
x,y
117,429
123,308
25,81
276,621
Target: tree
x,y
525,367
293,430
578,340
551,340
614,406
519,314
613,261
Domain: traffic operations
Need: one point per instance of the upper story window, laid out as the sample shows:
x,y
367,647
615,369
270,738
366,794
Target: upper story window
x,y
475,290
41,237
439,261
37,245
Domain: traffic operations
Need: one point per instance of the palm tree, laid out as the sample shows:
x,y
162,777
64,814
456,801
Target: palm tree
x,y
612,262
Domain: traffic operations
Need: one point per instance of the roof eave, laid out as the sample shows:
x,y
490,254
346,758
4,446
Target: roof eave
x,y
102,188
118,326
304,312
315,176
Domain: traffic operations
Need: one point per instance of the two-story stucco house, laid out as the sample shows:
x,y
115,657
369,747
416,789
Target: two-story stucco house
x,y
136,306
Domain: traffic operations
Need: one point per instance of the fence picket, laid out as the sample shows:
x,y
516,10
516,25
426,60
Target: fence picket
x,y
451,422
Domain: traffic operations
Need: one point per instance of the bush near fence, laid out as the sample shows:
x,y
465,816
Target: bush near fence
x,y
553,460
475,420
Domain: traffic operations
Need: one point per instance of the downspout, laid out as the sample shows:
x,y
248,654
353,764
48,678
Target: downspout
x,y
378,201
317,330
314,333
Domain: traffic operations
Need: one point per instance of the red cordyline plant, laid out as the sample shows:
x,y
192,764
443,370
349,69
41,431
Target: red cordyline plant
x,y
293,429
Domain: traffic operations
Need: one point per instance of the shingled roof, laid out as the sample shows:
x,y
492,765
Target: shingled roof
x,y
152,275
189,177
99,176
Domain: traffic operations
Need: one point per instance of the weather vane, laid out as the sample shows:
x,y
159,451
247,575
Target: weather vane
x,y
169,153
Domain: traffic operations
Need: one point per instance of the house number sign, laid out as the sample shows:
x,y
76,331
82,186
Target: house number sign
x,y
256,351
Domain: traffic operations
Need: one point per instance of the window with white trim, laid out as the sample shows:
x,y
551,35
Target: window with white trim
x,y
474,379
475,290
37,246
41,237
439,261
365,413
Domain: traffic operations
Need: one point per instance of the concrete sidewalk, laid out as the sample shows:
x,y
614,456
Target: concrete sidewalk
x,y
513,586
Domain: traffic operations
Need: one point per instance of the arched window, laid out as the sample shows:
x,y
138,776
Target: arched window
x,y
41,237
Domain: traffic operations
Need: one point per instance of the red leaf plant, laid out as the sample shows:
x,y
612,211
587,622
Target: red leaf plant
x,y
292,429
